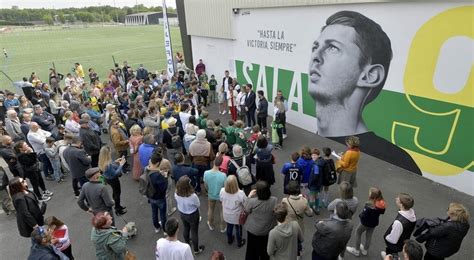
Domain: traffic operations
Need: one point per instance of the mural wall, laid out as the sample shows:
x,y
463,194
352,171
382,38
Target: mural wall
x,y
398,75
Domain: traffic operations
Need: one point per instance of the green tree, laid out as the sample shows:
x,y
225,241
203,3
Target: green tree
x,y
61,18
48,19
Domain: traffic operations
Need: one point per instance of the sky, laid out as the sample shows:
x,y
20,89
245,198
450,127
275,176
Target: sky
x,y
80,3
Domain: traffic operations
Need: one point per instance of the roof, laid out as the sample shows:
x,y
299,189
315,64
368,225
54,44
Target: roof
x,y
145,13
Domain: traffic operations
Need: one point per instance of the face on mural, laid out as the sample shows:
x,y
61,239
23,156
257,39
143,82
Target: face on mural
x,y
334,66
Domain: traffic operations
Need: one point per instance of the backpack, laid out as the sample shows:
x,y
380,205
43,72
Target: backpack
x,y
329,172
3,179
243,172
176,141
145,187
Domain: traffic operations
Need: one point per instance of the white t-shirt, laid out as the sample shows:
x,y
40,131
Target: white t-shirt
x,y
226,84
232,205
172,250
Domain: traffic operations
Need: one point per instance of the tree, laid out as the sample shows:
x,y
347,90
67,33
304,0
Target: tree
x,y
61,18
48,19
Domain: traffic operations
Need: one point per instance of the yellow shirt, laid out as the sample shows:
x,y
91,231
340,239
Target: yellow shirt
x,y
80,71
349,160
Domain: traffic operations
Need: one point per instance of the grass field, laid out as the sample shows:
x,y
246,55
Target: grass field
x,y
30,51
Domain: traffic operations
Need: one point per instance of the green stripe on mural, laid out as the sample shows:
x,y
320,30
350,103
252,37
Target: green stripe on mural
x,y
390,107
434,131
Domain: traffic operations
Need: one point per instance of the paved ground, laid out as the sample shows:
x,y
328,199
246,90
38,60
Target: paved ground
x,y
431,200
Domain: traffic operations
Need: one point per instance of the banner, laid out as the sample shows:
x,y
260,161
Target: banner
x,y
168,49
403,86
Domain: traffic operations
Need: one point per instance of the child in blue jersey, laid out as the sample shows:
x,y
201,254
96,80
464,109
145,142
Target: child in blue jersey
x,y
315,180
291,172
306,163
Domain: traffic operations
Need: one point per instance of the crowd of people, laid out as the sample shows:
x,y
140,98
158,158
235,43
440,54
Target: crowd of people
x,y
157,129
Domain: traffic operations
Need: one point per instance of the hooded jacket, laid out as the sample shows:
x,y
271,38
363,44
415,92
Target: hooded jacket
x,y
283,241
159,182
109,244
200,150
42,252
331,237
444,240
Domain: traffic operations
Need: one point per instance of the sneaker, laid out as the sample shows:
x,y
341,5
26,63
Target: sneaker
x,y
284,136
247,128
383,254
223,230
340,258
316,211
201,249
44,198
363,251
224,112
157,230
242,243
230,241
48,193
277,146
210,226
200,218
172,211
120,212
353,250
76,197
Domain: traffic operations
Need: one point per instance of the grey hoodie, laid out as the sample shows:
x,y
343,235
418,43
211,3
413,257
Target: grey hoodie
x,y
283,241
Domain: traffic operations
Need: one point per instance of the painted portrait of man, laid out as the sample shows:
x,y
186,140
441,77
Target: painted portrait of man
x,y
349,65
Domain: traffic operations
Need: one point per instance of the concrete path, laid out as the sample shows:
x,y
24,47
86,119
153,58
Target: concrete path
x,y
431,199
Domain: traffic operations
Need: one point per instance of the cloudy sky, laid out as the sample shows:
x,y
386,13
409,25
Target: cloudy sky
x,y
81,3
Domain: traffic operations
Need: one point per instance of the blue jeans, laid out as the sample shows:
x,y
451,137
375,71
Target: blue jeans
x,y
56,169
201,169
47,167
156,205
238,232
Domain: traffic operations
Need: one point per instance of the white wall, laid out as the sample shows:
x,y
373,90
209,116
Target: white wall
x,y
217,55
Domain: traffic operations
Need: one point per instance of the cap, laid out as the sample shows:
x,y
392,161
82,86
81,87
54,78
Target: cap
x,y
171,121
91,172
83,121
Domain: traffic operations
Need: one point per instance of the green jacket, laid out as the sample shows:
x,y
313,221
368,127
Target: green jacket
x,y
202,122
241,139
230,134
110,244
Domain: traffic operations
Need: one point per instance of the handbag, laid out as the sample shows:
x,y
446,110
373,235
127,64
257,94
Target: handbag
x,y
130,256
42,205
243,217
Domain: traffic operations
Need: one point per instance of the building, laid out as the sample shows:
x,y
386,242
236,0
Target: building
x,y
149,18
425,106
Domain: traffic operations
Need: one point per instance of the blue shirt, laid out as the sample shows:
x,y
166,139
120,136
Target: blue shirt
x,y
8,103
144,153
292,172
307,166
93,114
215,182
